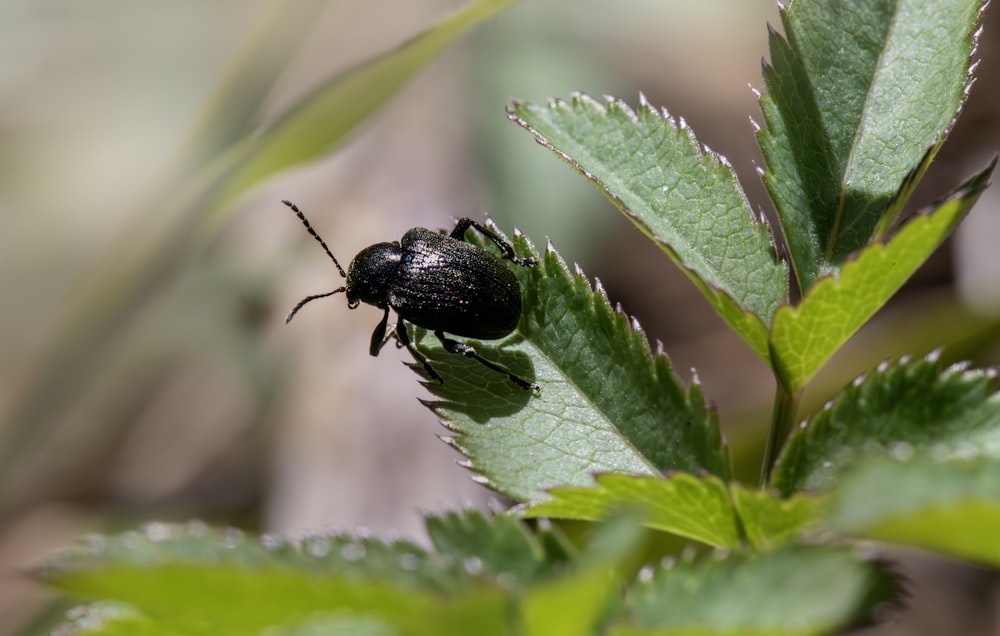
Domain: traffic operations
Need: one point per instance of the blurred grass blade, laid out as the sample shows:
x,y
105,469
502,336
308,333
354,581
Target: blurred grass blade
x,y
97,318
275,39
322,120
186,213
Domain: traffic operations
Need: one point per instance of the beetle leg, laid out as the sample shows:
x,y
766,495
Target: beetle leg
x,y
394,334
404,340
381,334
390,334
454,346
506,249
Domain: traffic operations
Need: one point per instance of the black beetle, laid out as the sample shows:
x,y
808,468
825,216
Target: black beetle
x,y
435,281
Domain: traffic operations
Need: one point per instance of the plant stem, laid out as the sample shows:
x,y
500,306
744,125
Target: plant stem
x,y
786,408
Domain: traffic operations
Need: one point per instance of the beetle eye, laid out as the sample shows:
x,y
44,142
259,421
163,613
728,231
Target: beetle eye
x,y
353,304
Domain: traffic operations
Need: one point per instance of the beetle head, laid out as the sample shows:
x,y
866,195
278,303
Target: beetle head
x,y
372,273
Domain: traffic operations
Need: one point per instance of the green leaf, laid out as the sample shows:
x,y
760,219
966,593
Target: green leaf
x,y
900,409
769,520
680,194
803,338
606,404
858,92
579,603
571,605
197,599
488,574
499,545
192,580
796,590
688,506
323,119
952,507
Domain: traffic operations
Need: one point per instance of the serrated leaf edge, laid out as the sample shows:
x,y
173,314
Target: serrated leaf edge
x,y
974,186
659,360
611,103
902,450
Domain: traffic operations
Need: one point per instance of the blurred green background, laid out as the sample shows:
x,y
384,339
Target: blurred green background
x,y
197,401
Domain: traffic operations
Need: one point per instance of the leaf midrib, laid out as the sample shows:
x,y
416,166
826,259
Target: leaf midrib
x,y
849,166
654,470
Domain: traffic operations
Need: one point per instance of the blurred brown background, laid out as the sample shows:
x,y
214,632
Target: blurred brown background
x,y
209,406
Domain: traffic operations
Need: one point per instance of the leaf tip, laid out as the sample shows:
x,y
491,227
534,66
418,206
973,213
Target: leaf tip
x,y
553,255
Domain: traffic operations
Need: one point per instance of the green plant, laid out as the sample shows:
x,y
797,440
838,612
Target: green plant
x,y
859,100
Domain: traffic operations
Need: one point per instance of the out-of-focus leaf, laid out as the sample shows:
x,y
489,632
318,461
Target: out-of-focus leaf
x,y
898,408
323,119
768,520
952,507
795,590
499,544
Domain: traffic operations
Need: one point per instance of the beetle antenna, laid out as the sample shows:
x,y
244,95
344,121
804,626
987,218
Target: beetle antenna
x,y
305,221
309,299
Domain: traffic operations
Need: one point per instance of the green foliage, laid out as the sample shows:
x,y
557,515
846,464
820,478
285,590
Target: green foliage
x,y
819,588
805,337
898,408
194,580
857,94
769,520
683,196
684,505
860,98
322,120
587,356
948,505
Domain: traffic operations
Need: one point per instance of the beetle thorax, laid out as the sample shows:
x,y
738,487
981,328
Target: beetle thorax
x,y
372,273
